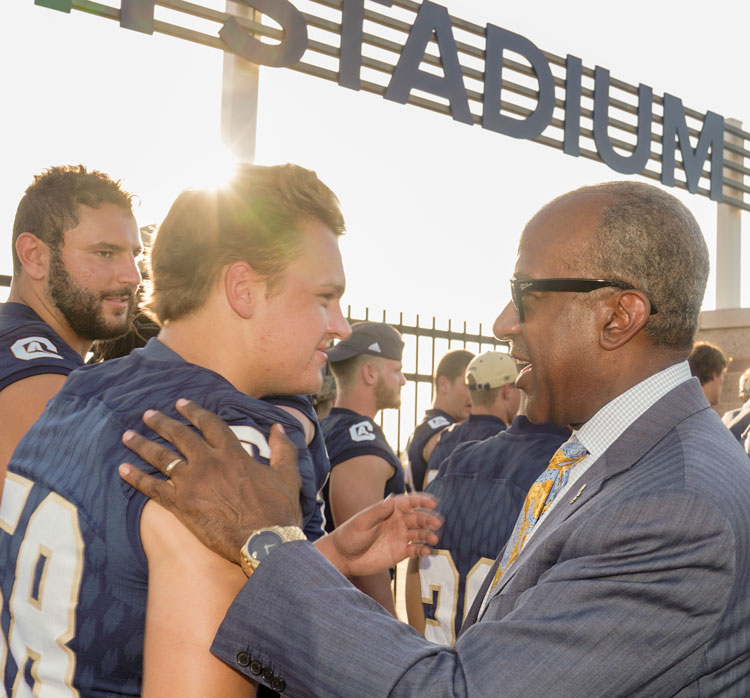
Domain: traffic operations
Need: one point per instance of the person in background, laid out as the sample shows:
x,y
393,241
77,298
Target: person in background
x,y
75,277
494,398
451,404
324,398
738,420
708,363
364,468
480,489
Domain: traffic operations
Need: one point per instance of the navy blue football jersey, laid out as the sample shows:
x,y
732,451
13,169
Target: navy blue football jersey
x,y
348,435
435,420
74,573
476,427
481,488
29,346
314,527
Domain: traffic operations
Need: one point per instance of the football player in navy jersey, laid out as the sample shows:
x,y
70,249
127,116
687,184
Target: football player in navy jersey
x,y
301,408
75,244
107,594
481,488
451,404
494,397
364,468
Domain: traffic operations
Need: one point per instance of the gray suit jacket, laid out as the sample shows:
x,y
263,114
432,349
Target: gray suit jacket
x,y
639,587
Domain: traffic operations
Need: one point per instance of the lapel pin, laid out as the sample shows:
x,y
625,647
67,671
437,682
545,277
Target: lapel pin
x,y
578,494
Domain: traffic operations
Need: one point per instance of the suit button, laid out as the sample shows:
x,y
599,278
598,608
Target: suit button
x,y
278,684
243,659
256,667
267,675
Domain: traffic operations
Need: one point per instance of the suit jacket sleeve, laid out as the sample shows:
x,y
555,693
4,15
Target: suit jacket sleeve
x,y
635,592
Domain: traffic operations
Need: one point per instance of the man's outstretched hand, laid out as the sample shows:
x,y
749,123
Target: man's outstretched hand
x,y
382,535
216,489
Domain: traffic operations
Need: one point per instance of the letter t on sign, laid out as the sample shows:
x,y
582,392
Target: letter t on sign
x,y
350,55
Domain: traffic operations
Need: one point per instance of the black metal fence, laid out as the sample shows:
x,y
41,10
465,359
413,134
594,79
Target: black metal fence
x,y
424,345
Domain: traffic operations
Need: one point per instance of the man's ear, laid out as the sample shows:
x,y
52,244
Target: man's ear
x,y
443,384
242,286
369,373
625,314
34,255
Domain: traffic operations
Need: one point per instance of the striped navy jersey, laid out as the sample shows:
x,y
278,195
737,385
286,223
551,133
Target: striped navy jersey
x,y
476,427
74,573
348,435
314,525
435,420
30,347
481,488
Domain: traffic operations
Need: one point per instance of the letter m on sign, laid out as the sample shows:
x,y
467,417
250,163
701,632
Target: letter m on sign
x,y
711,136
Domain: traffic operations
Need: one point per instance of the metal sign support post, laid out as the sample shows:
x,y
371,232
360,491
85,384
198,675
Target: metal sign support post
x,y
239,95
728,234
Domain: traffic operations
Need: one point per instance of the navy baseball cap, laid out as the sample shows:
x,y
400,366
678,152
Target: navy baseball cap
x,y
375,338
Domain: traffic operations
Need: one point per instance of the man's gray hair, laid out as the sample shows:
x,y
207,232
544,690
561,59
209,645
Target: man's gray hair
x,y
649,239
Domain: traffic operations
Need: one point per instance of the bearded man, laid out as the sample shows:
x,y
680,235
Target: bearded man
x,y
75,246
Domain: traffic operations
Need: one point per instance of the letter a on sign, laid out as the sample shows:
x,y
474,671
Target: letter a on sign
x,y
432,19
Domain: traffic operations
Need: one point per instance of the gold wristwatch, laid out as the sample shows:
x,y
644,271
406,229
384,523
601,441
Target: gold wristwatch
x,y
262,542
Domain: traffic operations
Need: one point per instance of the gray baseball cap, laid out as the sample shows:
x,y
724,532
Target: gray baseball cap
x,y
375,338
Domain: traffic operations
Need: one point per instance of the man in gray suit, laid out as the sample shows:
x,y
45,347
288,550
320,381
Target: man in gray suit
x,y
633,580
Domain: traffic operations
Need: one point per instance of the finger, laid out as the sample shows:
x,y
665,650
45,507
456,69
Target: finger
x,y
214,428
418,500
422,535
152,452
161,491
428,520
415,550
190,444
283,456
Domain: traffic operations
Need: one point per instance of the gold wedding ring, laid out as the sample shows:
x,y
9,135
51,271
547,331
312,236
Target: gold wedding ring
x,y
168,470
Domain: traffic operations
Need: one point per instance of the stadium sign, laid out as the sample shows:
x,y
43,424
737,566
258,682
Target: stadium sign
x,y
471,73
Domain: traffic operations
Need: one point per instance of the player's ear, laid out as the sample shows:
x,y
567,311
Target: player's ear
x,y
506,391
369,373
33,254
242,287
443,384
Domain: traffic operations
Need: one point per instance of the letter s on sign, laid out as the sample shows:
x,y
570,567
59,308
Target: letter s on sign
x,y
287,52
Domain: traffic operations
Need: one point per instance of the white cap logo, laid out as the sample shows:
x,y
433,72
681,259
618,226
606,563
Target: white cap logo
x,y
34,348
375,347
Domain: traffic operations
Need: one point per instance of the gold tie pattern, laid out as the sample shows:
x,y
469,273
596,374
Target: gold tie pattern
x,y
538,500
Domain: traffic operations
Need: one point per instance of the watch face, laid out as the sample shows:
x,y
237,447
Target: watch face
x,y
261,544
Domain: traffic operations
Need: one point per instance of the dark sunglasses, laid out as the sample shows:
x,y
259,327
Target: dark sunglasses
x,y
520,287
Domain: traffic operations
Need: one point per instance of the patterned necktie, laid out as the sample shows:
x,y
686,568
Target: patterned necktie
x,y
539,499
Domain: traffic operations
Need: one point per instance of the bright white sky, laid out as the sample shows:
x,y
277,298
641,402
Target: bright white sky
x,y
434,208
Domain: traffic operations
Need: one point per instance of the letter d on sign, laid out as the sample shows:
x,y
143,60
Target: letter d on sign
x,y
498,40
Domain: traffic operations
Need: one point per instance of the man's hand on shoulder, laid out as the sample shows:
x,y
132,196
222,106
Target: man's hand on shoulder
x,y
215,487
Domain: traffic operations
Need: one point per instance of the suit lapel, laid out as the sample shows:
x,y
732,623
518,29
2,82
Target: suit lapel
x,y
651,427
